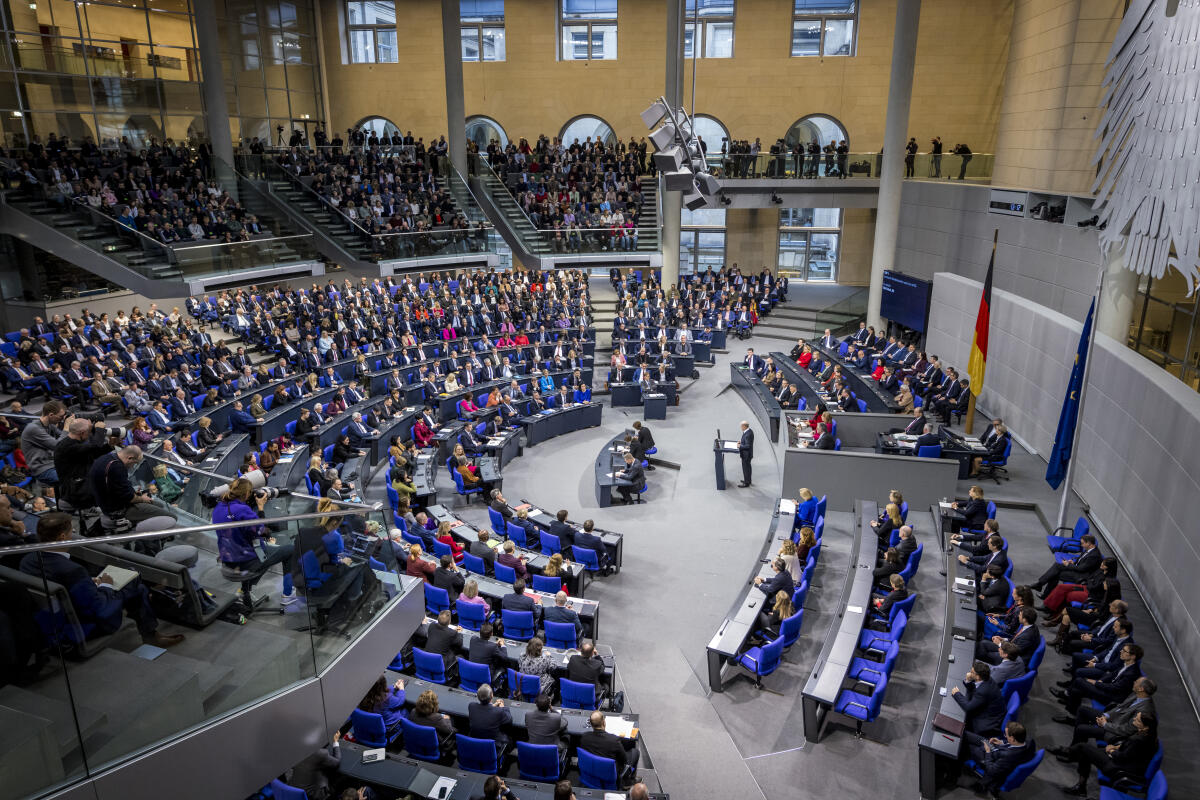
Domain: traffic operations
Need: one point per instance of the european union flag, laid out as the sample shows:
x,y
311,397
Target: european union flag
x,y
1064,437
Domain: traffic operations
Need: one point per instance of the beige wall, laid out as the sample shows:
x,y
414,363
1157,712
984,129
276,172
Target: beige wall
x,y
752,238
1051,93
858,239
761,91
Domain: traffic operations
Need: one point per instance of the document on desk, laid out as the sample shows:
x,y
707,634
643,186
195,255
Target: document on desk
x,y
945,506
495,440
619,726
853,609
443,788
120,577
729,445
787,506
615,796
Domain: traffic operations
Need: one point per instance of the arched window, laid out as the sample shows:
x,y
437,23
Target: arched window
x,y
823,128
482,130
582,127
711,131
380,126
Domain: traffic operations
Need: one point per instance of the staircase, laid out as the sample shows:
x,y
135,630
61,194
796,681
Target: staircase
x,y
603,311
338,238
649,227
794,321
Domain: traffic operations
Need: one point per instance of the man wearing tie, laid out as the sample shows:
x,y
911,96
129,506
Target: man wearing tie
x,y
746,450
754,362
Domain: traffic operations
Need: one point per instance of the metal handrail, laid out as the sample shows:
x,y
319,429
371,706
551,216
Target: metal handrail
x,y
504,187
295,181
100,216
201,245
135,537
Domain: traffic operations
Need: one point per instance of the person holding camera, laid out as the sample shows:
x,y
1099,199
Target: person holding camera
x,y
74,455
236,546
121,507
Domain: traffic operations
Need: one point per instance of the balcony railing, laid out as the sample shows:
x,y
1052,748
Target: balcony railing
x,y
89,695
978,166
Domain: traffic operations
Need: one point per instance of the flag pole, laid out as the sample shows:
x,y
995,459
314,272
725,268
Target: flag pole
x,y
1065,500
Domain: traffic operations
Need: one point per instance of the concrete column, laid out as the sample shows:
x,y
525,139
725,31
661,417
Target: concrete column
x,y
216,110
672,202
895,135
456,115
1114,313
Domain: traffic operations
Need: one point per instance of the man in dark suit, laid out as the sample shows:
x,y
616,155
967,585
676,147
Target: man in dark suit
x,y
645,438
780,581
994,591
600,742
1026,637
1115,723
500,505
587,539
480,548
563,530
1075,570
823,439
517,600
927,439
447,577
1010,666
995,556
1107,686
585,666
444,640
545,725
634,477
999,757
918,424
907,544
95,600
485,651
1106,650
746,451
1102,632
488,717
754,362
982,702
316,772
242,421
561,612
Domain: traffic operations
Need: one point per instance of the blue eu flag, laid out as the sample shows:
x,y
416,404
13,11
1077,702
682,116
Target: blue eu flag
x,y
1064,437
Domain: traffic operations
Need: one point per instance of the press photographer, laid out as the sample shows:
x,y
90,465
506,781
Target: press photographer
x,y
249,548
122,508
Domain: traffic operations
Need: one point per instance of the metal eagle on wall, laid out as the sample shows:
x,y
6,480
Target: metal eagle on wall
x,y
1148,184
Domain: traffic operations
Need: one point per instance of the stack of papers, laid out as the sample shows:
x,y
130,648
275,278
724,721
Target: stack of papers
x,y
730,445
787,507
120,577
619,726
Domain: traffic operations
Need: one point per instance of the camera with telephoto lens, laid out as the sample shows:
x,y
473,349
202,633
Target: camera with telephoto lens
x,y
118,432
271,492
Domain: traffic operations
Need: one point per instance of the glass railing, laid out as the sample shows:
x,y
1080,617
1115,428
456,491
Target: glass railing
x,y
978,166
101,62
92,686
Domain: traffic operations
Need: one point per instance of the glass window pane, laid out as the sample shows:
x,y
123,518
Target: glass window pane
x,y
810,217
839,37
574,43
689,34
710,250
718,40
792,250
379,12
824,6
708,217
585,127
481,10
806,37
711,8
493,44
470,44
822,256
386,40
604,42
711,131
589,9
362,47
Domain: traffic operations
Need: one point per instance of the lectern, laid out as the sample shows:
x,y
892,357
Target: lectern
x,y
720,448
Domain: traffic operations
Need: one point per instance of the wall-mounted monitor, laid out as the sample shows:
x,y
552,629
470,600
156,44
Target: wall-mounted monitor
x,y
905,300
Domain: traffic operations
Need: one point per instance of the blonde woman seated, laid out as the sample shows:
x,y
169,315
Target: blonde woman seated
x,y
470,594
795,566
891,522
769,622
451,383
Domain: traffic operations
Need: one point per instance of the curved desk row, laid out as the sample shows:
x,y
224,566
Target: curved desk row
x,y
764,405
833,662
808,384
419,778
614,542
557,421
863,385
729,640
535,561
958,639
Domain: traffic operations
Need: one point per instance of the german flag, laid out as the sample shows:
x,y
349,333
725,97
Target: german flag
x,y
977,363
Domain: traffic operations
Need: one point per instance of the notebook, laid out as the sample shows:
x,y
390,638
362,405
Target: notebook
x,y
619,726
120,576
950,725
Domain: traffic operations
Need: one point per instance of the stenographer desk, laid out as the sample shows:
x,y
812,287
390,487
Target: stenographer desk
x,y
730,639
609,463
958,641
841,643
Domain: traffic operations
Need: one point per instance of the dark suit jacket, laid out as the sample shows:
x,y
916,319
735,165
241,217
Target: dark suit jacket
x,y
564,532
101,607
521,602
590,541
1002,759
486,652
634,474
445,641
1087,563
779,582
826,442
605,745
1027,640
925,440
981,562
746,443
545,727
984,705
585,670
563,614
486,721
481,550
995,596
450,580
916,426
